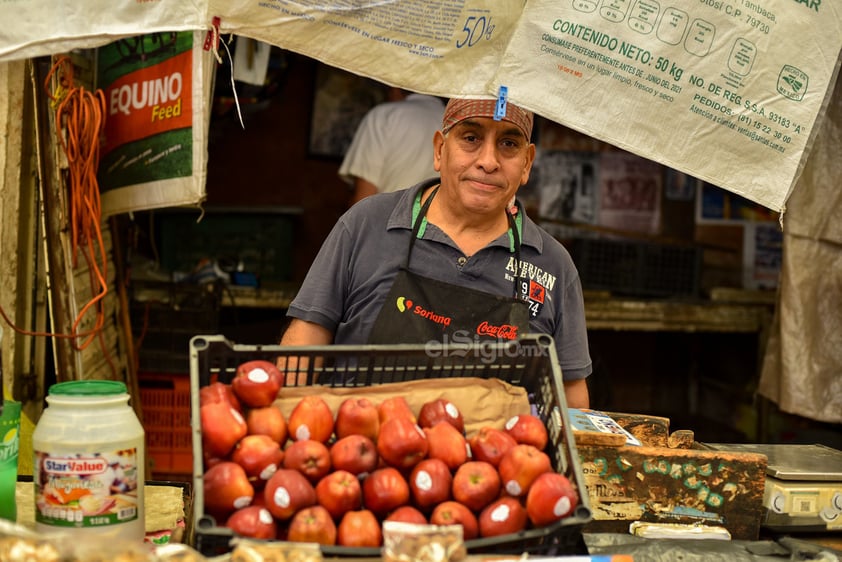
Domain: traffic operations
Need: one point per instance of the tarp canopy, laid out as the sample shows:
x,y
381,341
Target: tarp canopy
x,y
729,91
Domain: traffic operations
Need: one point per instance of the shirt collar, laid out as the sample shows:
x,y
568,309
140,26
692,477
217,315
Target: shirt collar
x,y
401,217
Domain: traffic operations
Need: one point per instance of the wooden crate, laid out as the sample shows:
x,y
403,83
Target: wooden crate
x,y
668,480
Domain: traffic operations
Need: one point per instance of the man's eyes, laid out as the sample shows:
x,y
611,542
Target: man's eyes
x,y
505,142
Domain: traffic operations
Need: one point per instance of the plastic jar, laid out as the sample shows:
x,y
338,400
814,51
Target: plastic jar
x,y
89,462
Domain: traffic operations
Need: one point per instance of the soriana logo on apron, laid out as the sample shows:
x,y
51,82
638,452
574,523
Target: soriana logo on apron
x,y
406,305
485,328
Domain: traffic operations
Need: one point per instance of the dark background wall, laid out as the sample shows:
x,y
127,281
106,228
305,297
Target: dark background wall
x,y
266,164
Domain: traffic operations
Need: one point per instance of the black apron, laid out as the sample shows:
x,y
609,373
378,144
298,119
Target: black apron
x,y
421,310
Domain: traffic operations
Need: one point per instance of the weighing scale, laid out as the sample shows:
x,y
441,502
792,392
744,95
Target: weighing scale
x,y
803,485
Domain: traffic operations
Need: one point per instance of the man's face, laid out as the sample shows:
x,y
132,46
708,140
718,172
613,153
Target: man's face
x,y
483,162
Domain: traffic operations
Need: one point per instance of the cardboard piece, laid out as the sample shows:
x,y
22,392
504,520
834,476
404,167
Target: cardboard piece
x,y
481,401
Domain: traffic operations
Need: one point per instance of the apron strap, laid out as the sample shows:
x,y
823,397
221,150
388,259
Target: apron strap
x,y
419,220
514,233
419,223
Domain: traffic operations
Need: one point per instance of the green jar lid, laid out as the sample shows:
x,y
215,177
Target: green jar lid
x,y
88,388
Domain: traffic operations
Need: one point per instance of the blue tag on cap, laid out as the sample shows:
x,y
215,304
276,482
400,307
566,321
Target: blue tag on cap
x,y
502,98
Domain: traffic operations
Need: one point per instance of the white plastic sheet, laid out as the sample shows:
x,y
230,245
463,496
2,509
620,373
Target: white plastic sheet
x,y
725,90
34,28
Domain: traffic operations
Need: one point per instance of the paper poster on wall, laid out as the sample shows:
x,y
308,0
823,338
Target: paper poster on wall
x,y
762,255
340,102
251,61
568,186
154,146
630,193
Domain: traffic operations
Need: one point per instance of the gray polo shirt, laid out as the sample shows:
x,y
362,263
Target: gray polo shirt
x,y
347,283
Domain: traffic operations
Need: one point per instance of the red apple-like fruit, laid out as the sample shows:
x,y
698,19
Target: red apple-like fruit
x,y
218,392
401,443
395,407
259,499
550,499
311,418
503,516
339,492
489,444
222,427
268,420
253,521
520,466
226,489
455,513
357,416
429,483
309,457
528,429
448,444
438,410
256,383
407,514
260,456
384,490
288,491
359,529
312,524
355,453
210,460
476,484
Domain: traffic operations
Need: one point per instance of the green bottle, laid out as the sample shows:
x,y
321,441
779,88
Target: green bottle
x,y
9,444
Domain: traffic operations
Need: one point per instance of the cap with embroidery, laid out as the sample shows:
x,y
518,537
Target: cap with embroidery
x,y
460,109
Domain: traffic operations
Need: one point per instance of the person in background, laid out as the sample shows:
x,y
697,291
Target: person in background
x,y
453,258
392,147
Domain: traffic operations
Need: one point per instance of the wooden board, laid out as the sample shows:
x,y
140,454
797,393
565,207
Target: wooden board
x,y
628,484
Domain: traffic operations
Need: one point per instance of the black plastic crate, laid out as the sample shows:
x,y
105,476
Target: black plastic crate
x,y
529,362
637,268
164,316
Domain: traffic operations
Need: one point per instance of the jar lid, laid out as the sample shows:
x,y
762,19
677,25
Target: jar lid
x,y
88,388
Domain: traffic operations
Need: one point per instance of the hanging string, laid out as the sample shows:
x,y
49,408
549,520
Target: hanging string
x,y
212,41
233,85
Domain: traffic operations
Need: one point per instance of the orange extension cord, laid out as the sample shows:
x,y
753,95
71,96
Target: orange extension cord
x,y
80,120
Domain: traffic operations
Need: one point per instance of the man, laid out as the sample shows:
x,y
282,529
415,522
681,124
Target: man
x,y
392,148
459,247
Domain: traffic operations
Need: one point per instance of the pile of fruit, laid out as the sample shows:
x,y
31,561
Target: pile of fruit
x,y
334,478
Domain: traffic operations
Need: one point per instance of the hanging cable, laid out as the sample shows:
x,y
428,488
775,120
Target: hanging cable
x,y
79,121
